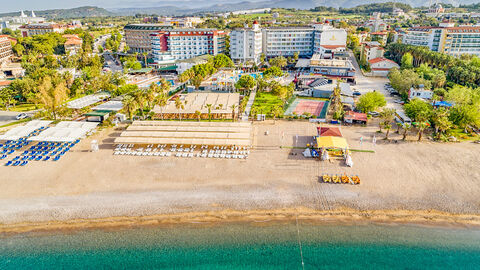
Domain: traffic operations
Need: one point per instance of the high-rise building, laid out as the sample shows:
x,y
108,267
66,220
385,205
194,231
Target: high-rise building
x,y
446,39
286,41
137,36
178,44
246,44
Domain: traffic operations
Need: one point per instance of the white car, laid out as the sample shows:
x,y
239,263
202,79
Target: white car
x,y
21,116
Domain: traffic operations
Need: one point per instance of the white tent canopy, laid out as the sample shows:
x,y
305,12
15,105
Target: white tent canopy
x,y
65,131
112,105
85,101
22,131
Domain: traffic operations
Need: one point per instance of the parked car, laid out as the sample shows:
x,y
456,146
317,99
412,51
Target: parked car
x,y
399,101
374,114
356,93
21,116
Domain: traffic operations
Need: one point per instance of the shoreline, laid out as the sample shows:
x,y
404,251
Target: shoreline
x,y
343,216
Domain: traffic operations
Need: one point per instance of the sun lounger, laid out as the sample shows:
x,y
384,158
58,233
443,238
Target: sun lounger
x,y
56,158
46,158
24,163
190,155
38,158
16,163
9,163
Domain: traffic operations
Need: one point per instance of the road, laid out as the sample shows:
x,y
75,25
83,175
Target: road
x,y
7,117
369,84
100,42
110,60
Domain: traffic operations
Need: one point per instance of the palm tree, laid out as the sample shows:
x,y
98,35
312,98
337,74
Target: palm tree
x,y
406,128
233,107
150,97
179,105
422,125
209,107
198,114
387,116
139,97
161,100
276,111
129,105
164,85
145,54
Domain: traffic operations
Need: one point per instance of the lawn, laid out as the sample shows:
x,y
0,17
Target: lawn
x,y
265,102
23,107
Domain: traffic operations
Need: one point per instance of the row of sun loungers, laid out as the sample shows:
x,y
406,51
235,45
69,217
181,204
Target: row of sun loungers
x,y
216,152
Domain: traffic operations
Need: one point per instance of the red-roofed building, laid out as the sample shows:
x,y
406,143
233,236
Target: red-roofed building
x,y
381,66
355,117
371,50
73,44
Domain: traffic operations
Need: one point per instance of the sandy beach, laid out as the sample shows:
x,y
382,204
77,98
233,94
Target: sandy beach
x,y
94,187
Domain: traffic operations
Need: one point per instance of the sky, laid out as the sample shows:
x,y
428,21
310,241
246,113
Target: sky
x,y
17,5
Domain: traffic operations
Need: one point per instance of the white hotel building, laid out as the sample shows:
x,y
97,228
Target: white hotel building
x,y
446,39
286,41
246,44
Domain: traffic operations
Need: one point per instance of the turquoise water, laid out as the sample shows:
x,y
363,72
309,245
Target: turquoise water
x,y
246,246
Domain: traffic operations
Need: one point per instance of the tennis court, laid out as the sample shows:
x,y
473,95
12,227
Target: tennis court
x,y
317,108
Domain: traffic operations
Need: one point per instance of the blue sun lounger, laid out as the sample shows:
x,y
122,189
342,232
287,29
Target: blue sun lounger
x,y
38,158
24,163
16,163
9,163
46,158
56,158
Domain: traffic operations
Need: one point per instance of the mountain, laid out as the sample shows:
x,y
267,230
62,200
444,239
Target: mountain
x,y
78,12
202,6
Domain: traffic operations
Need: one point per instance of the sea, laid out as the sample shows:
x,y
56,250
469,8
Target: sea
x,y
253,245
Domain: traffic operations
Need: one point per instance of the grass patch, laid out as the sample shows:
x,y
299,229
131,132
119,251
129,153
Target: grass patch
x,y
23,107
265,102
16,122
461,135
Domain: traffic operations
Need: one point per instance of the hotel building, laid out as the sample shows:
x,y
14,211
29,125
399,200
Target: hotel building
x,y
5,49
286,41
246,44
137,36
450,40
178,44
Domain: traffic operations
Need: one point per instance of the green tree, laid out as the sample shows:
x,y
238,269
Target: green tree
x,y
441,122
278,61
273,71
52,94
245,83
371,101
387,116
418,110
407,61
221,60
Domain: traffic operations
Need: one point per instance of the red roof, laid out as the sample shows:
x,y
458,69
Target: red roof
x,y
355,116
379,59
329,131
5,83
378,33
